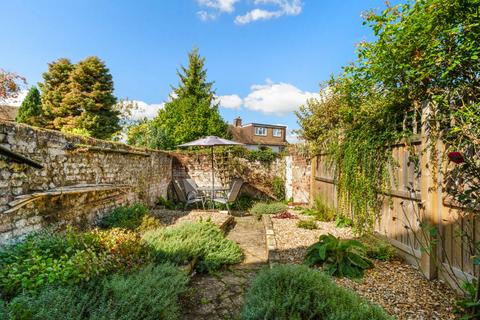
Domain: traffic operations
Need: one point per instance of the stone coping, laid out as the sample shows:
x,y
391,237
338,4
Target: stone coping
x,y
271,243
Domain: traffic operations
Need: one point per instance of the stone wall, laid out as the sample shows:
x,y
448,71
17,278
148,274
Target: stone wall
x,y
80,179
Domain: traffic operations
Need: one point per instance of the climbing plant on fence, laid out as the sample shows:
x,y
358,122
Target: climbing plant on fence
x,y
425,51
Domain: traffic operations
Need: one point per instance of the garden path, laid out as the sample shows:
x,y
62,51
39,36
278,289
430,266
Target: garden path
x,y
220,296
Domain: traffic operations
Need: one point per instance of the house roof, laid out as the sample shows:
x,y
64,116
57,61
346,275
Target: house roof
x,y
244,135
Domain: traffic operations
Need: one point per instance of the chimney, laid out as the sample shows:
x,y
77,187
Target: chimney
x,y
237,122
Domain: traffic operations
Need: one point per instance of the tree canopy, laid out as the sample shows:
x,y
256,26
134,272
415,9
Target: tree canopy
x,y
30,112
192,112
79,98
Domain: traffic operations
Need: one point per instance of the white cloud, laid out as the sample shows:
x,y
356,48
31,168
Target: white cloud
x,y
220,5
143,110
15,102
232,101
276,98
271,9
283,7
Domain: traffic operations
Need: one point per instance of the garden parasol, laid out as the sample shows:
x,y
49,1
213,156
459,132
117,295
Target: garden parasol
x,y
211,141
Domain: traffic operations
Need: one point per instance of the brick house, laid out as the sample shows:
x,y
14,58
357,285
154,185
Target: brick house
x,y
256,135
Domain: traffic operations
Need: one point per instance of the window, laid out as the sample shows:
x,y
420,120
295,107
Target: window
x,y
277,132
260,131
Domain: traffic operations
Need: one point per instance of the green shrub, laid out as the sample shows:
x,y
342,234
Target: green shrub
x,y
307,224
265,155
293,292
343,222
151,293
202,242
321,211
342,258
67,258
243,203
130,217
260,208
378,247
166,203
278,186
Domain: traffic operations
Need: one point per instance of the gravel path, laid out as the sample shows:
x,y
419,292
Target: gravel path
x,y
396,286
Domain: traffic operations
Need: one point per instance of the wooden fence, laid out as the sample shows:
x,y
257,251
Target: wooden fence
x,y
417,196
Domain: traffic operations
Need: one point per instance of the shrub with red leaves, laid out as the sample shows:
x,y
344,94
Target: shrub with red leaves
x,y
285,215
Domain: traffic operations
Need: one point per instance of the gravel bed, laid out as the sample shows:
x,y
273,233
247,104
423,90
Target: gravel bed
x,y
169,217
395,285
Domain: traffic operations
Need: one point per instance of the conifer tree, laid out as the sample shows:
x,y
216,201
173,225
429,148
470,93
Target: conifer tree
x,y
30,112
79,98
192,113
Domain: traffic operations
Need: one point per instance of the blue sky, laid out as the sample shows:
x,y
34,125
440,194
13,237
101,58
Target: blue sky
x,y
265,56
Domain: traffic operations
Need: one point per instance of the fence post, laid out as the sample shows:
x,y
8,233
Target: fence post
x,y
429,194
313,174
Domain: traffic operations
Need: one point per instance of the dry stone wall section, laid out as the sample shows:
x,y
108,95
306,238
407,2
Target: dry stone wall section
x,y
80,179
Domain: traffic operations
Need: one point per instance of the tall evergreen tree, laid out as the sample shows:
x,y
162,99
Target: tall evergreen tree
x,y
192,112
79,98
30,111
54,89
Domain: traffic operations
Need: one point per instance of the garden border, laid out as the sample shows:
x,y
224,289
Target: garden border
x,y
271,243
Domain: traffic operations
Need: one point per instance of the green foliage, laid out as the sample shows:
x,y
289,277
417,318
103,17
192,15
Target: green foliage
x,y
343,222
169,204
341,258
263,155
30,112
130,217
293,292
78,98
307,224
67,258
424,51
260,208
201,242
378,247
278,186
243,203
468,307
147,134
151,293
321,211
191,114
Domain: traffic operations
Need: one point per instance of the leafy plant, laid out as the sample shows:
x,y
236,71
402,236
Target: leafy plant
x,y
162,202
260,208
278,186
343,222
307,224
200,242
150,293
342,258
128,217
263,155
243,203
321,211
296,292
67,258
378,247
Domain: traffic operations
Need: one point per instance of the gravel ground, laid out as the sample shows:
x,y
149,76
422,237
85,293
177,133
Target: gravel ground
x,y
395,285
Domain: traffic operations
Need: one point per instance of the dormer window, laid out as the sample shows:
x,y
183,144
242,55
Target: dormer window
x,y
260,131
277,133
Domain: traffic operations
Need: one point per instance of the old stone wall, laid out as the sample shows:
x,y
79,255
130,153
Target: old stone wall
x,y
80,179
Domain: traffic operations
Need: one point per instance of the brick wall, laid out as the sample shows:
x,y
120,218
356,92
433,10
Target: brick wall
x,y
81,179
297,176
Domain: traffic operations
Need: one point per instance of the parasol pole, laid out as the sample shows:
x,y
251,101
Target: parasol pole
x,y
213,182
